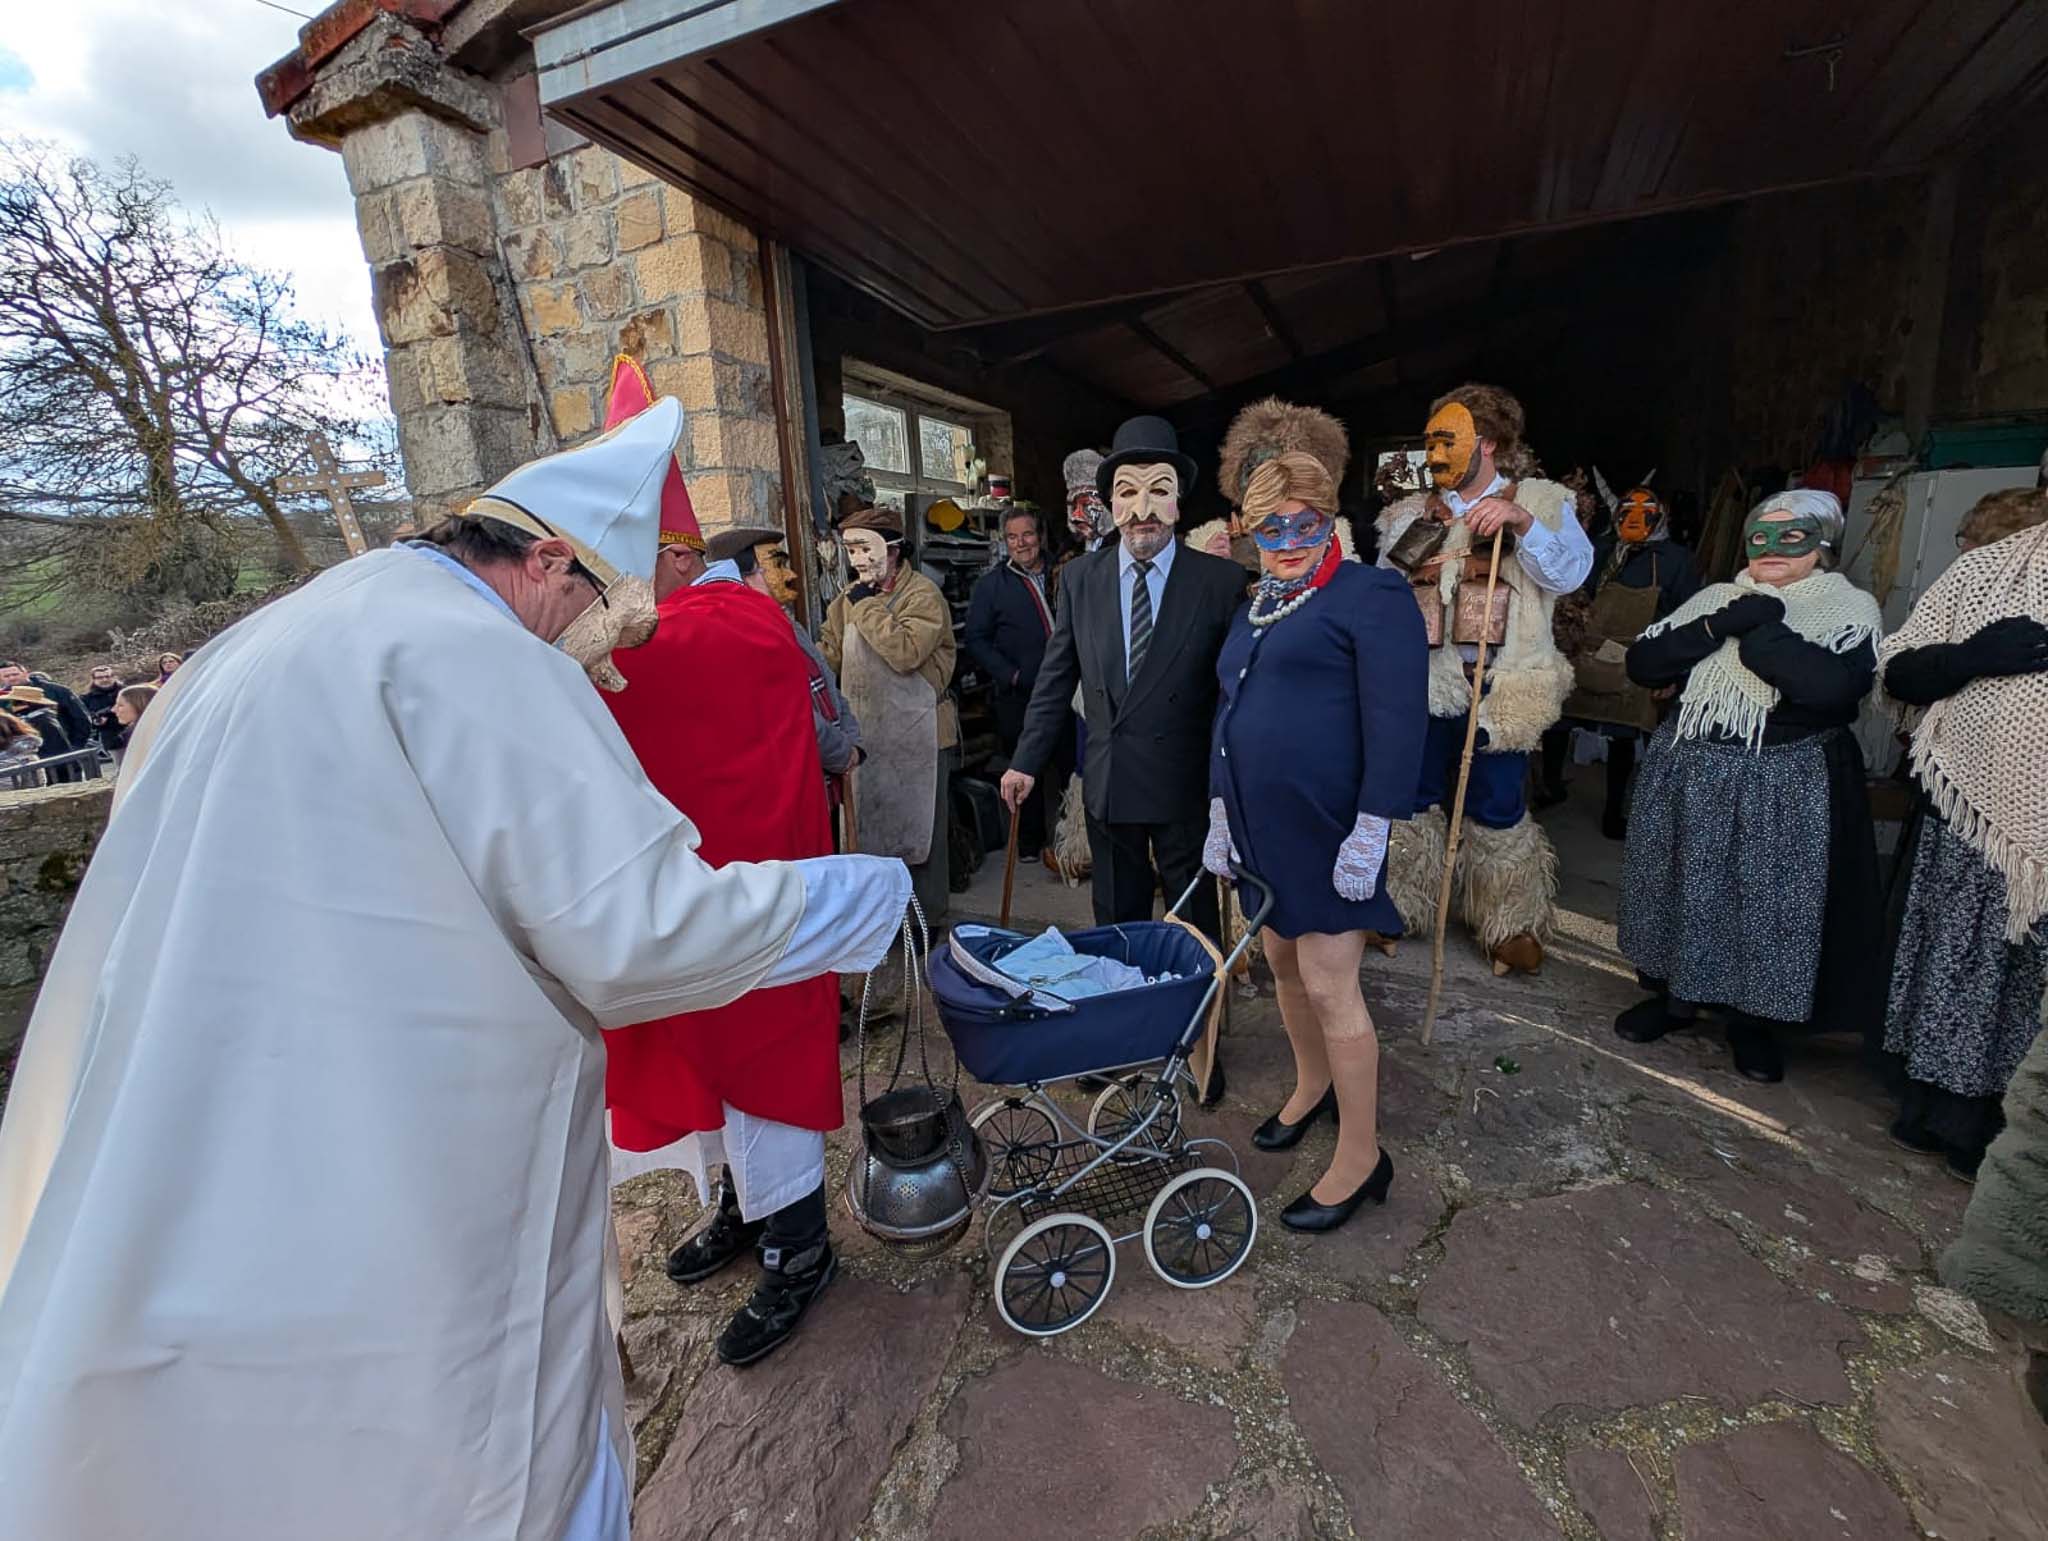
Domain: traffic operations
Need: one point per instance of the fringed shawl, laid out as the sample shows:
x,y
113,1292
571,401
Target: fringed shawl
x,y
1724,696
1982,753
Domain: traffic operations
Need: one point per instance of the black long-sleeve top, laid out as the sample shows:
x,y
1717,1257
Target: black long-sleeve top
x,y
1817,689
1921,676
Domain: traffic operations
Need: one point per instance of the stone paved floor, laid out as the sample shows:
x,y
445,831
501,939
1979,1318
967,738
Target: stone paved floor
x,y
1617,1293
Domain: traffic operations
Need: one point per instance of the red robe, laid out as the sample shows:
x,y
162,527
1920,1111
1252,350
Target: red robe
x,y
718,709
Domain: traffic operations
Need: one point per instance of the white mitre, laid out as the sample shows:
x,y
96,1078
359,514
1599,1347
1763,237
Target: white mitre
x,y
603,497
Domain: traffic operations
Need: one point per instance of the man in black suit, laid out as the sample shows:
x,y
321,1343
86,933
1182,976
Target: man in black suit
x,y
1139,625
1009,622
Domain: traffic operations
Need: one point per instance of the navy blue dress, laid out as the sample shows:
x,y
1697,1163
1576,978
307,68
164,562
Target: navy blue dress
x,y
1321,718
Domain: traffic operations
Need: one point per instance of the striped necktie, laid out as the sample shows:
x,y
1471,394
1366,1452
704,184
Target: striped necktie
x,y
1141,616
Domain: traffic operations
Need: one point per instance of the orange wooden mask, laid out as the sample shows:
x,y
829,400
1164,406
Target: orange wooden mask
x,y
1638,516
1449,442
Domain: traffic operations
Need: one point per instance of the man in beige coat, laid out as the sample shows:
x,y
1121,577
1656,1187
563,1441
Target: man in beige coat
x,y
890,639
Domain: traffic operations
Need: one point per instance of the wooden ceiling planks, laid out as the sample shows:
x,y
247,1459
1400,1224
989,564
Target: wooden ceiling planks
x,y
970,161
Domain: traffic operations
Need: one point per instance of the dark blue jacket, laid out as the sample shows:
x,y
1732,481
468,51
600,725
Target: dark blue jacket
x,y
1006,632
1322,718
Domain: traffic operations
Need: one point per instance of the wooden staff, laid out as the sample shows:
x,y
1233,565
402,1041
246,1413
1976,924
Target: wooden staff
x,y
1443,898
1009,870
851,834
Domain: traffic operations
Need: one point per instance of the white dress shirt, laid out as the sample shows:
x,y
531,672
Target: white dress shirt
x,y
725,571
1557,560
1155,585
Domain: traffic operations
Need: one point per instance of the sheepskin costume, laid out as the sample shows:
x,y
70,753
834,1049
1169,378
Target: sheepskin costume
x,y
1505,887
1530,677
2001,1258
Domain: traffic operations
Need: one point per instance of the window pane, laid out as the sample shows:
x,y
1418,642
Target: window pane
x,y
945,448
882,433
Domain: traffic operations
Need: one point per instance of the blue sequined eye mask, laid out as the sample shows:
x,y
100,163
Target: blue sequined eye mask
x,y
1292,532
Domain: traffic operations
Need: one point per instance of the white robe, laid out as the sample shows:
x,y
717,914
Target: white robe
x,y
303,1213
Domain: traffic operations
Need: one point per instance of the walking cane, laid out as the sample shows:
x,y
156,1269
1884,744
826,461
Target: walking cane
x,y
850,835
1443,898
1009,870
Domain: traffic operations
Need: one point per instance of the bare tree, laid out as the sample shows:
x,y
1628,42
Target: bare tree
x,y
152,387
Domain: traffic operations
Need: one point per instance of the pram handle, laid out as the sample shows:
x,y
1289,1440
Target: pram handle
x,y
1250,879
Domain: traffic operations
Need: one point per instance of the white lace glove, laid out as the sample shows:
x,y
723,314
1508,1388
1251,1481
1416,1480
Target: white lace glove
x,y
1360,858
1219,850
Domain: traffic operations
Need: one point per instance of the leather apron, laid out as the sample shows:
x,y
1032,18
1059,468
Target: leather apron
x,y
897,786
1604,692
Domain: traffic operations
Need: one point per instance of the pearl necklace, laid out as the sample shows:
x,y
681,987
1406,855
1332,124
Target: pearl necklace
x,y
1261,619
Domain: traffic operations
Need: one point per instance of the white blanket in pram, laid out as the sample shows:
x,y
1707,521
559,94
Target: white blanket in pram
x,y
1051,972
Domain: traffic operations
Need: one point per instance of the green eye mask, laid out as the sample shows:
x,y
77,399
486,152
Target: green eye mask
x,y
1794,537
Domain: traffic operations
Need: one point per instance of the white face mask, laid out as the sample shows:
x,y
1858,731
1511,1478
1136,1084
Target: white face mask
x,y
1146,503
867,553
624,617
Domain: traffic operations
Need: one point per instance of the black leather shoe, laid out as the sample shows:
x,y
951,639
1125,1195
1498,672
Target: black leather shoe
x,y
789,1285
1216,1082
1646,1021
1305,1214
1273,1134
724,1239
1755,1050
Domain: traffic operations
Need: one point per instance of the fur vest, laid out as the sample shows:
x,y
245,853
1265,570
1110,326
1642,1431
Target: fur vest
x,y
1528,677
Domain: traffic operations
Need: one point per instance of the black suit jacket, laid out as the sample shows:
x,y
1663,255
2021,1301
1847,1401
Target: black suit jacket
x,y
1004,633
1148,738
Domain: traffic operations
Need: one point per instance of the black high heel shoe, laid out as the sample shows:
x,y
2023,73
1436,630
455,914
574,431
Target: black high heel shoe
x,y
1274,1134
1305,1214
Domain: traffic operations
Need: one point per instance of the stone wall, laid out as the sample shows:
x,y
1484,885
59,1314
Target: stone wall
x,y
606,260
503,291
46,838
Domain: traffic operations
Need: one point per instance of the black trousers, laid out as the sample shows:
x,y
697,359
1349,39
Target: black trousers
x,y
1041,810
1123,880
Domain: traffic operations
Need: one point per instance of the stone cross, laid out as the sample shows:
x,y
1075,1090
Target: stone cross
x,y
335,483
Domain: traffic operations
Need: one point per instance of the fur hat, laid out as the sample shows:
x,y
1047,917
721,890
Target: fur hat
x,y
1079,470
1274,427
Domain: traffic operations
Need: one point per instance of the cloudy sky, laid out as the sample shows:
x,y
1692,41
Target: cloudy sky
x,y
173,85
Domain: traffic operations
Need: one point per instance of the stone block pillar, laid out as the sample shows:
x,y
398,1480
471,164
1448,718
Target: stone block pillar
x,y
413,132
504,291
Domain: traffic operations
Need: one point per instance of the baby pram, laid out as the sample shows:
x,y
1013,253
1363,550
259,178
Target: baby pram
x,y
1061,1196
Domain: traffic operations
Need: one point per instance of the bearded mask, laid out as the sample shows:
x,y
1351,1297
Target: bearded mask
x,y
623,616
1638,517
867,553
1450,442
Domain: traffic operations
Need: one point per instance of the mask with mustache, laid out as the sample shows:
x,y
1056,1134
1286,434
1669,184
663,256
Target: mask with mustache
x,y
1449,442
1145,501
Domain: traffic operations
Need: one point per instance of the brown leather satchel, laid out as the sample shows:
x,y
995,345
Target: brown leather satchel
x,y
1471,621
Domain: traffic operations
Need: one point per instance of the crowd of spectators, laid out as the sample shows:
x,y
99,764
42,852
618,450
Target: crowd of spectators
x,y
50,733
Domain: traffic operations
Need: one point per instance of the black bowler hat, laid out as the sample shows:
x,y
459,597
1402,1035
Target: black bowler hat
x,y
1145,441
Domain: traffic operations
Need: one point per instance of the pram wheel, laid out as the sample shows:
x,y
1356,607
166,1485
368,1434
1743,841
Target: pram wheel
x,y
1054,1275
1200,1228
1022,1139
1123,1105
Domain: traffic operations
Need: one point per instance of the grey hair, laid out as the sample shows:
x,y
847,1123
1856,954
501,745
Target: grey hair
x,y
479,540
1811,503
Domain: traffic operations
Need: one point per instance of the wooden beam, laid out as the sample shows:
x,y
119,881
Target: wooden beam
x,y
1634,268
1282,333
1165,349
